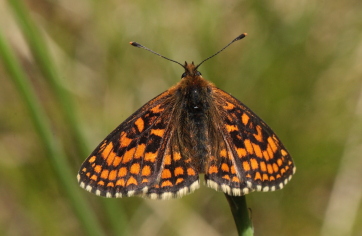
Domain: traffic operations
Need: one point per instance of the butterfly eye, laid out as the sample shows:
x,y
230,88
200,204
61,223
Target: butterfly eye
x,y
183,75
198,73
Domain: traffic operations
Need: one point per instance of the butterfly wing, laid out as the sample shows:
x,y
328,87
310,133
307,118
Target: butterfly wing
x,y
179,176
250,157
140,157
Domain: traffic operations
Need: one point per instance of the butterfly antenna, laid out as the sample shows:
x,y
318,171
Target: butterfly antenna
x,y
236,39
141,46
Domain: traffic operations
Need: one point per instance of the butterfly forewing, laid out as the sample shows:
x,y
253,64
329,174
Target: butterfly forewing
x,y
252,158
141,157
130,158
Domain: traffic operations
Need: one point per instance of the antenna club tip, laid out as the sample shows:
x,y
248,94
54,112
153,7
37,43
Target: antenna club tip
x,y
134,44
241,36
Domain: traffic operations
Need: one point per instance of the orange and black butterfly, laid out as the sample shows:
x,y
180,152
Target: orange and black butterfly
x,y
192,128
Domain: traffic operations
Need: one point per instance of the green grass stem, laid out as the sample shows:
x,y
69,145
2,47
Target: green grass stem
x,y
39,49
241,215
43,128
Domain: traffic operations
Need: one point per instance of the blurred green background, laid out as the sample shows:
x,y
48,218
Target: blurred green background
x,y
299,69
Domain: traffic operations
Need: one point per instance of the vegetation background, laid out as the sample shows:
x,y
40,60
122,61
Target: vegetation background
x,y
299,69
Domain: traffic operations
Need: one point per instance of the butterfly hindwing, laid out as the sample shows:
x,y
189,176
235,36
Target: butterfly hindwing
x,y
220,172
178,177
251,156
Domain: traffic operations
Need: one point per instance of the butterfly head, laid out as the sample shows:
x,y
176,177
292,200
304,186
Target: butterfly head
x,y
190,70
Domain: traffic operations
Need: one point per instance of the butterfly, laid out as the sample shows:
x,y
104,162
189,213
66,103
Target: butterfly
x,y
192,128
